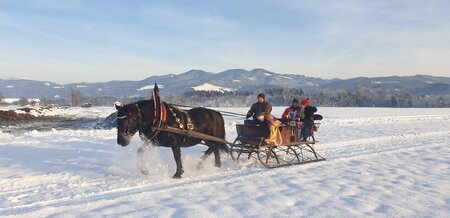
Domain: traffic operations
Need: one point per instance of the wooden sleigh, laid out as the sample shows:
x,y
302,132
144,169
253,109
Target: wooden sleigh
x,y
250,143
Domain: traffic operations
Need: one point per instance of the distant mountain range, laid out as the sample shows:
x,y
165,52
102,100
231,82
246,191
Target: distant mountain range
x,y
235,79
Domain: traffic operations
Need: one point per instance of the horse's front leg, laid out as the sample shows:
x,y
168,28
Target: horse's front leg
x,y
177,155
140,164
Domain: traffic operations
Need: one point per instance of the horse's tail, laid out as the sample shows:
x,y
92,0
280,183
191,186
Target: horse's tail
x,y
224,147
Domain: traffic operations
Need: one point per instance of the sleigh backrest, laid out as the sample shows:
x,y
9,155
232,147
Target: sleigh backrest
x,y
250,131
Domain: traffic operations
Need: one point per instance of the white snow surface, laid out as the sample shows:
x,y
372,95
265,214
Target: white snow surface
x,y
10,100
71,112
311,84
381,162
286,77
210,87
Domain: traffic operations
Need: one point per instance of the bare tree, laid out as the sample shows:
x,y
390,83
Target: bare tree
x,y
23,101
75,97
1,99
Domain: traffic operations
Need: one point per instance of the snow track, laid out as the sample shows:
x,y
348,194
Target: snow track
x,y
376,172
366,146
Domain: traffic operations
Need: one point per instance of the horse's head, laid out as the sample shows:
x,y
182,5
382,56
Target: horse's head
x,y
128,120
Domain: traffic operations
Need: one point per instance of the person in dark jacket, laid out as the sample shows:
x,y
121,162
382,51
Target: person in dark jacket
x,y
262,106
308,119
304,103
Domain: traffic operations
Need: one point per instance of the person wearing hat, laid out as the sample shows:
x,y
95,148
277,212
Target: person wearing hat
x,y
291,116
305,102
307,118
262,106
304,105
293,111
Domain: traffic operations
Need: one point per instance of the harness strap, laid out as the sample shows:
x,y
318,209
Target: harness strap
x,y
185,119
183,122
164,113
189,124
154,108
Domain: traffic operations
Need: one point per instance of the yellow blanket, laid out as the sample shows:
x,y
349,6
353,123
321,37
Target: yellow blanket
x,y
275,135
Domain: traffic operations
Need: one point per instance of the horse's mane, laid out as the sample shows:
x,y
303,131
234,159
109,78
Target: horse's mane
x,y
141,102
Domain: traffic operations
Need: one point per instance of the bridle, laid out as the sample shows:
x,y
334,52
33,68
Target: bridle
x,y
127,131
159,120
160,112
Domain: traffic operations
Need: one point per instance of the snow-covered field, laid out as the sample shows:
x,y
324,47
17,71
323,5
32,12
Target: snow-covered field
x,y
380,162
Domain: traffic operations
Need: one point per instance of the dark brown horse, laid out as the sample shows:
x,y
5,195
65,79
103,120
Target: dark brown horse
x,y
140,116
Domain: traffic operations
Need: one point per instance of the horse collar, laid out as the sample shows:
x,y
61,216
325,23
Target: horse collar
x,y
158,119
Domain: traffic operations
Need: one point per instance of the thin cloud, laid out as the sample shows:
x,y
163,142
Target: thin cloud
x,y
319,38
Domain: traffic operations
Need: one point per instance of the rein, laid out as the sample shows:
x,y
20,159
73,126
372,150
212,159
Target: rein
x,y
159,122
225,113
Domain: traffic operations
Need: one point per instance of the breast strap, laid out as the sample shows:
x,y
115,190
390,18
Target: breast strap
x,y
185,114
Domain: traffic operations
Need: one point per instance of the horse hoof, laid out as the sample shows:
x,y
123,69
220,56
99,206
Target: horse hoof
x,y
144,171
176,176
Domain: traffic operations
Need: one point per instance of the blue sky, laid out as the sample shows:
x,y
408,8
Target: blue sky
x,y
90,41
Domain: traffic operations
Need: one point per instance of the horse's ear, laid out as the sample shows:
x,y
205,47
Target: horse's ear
x,y
118,105
155,88
155,93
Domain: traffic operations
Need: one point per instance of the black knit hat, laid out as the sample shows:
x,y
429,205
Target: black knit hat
x,y
295,101
261,95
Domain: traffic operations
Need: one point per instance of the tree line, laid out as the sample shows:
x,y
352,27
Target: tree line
x,y
359,97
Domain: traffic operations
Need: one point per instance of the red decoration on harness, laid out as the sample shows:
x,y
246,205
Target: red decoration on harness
x,y
164,113
154,107
162,110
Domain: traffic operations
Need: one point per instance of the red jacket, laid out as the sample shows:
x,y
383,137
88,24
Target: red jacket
x,y
291,112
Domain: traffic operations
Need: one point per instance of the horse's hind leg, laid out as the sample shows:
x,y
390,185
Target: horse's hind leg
x,y
214,147
217,157
140,164
204,157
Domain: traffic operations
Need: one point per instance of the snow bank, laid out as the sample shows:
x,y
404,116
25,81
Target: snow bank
x,y
380,162
73,112
209,87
